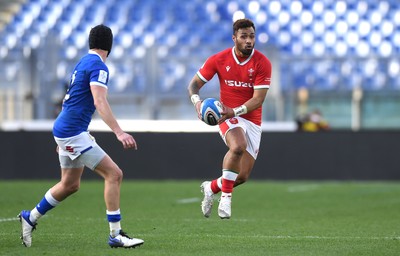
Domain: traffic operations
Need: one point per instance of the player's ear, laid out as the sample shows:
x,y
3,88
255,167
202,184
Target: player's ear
x,y
234,38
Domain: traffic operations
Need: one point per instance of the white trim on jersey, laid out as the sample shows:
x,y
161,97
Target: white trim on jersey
x,y
93,52
98,84
261,86
236,59
201,77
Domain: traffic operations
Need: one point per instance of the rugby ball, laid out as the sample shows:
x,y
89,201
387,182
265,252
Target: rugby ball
x,y
210,110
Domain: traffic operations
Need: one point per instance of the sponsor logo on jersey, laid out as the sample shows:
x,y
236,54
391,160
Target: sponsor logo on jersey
x,y
234,83
103,76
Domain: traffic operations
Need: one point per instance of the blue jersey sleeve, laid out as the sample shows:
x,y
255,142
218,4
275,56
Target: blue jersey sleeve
x,y
99,74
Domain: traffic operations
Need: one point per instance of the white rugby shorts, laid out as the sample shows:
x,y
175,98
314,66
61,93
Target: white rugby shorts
x,y
80,150
252,131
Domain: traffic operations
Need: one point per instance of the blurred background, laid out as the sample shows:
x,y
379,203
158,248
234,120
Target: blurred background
x,y
336,58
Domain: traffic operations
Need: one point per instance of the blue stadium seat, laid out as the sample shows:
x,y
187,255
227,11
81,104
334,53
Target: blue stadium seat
x,y
196,29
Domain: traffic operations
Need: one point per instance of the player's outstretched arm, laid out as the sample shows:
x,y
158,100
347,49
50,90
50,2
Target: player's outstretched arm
x,y
194,89
103,108
257,100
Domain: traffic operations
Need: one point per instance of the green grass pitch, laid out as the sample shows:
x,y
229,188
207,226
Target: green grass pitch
x,y
268,218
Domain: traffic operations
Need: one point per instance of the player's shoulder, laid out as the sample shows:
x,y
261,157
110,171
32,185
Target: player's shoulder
x,y
259,56
219,57
93,61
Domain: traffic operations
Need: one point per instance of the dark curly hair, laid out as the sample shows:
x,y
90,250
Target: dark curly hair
x,y
242,23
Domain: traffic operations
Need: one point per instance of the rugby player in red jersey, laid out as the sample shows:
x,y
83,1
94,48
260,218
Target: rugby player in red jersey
x,y
244,76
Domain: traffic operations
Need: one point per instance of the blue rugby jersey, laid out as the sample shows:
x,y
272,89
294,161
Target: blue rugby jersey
x,y
78,106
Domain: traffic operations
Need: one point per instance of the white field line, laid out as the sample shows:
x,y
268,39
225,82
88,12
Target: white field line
x,y
286,237
14,219
8,219
269,237
188,200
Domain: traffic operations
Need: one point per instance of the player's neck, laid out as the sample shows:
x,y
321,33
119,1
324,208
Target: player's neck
x,y
101,53
240,56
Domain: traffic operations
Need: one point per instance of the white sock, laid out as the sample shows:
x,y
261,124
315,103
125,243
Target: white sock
x,y
35,215
115,227
49,197
115,224
219,182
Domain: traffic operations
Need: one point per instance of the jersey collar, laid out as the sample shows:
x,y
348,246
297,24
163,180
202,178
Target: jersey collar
x,y
93,52
236,59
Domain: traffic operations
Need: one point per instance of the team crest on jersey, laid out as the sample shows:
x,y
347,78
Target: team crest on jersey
x,y
227,68
251,71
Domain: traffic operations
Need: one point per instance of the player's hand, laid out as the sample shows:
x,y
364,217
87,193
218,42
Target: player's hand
x,y
197,106
127,140
226,113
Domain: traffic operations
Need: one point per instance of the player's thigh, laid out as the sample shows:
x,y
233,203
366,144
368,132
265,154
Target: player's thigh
x,y
69,184
71,170
70,175
236,138
108,168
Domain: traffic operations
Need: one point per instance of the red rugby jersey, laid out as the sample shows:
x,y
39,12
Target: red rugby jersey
x,y
238,79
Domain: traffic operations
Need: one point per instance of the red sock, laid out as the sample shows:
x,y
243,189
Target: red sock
x,y
228,180
214,186
227,185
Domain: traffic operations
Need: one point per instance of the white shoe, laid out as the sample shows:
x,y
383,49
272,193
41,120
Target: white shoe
x,y
208,200
224,208
123,240
27,228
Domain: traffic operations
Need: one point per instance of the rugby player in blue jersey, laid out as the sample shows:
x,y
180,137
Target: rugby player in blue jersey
x,y
86,93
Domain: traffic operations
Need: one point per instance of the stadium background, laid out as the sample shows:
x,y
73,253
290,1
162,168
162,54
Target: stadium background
x,y
341,57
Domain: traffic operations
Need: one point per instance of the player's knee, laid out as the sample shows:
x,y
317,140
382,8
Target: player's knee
x,y
71,188
238,150
116,175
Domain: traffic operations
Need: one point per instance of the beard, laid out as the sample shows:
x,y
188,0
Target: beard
x,y
246,51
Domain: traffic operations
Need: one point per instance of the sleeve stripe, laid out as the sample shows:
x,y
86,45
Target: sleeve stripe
x,y
99,84
201,77
261,86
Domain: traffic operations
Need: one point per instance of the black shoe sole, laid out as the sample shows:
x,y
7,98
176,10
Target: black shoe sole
x,y
130,247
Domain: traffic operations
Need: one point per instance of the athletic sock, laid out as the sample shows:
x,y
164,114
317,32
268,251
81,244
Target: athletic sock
x,y
47,203
228,180
216,185
114,220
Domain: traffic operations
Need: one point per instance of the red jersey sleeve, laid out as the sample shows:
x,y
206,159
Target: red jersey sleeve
x,y
263,79
208,70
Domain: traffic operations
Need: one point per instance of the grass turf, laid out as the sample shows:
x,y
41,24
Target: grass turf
x,y
268,218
